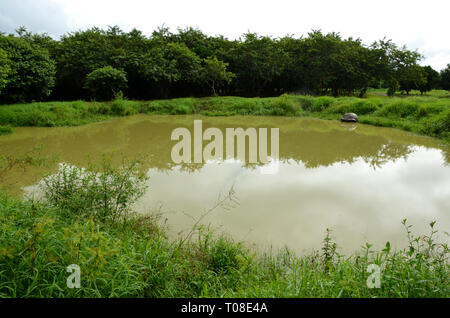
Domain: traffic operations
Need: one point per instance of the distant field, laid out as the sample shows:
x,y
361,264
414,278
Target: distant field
x,y
439,93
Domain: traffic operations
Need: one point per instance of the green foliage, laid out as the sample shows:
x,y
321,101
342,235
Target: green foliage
x,y
437,125
318,104
123,107
334,65
136,259
31,71
410,75
104,83
124,254
283,106
42,40
445,78
398,67
224,255
104,192
4,130
432,80
191,63
393,86
5,69
399,108
51,114
78,54
354,105
257,62
328,250
216,73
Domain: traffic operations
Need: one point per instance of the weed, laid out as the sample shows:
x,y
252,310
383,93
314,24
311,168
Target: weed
x,y
103,191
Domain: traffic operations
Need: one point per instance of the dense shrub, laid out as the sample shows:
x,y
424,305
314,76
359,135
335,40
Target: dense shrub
x,y
319,104
283,106
393,86
104,83
123,107
304,101
224,255
438,125
360,107
399,108
364,107
102,192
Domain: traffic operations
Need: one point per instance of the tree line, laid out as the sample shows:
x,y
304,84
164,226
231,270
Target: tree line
x,y
97,64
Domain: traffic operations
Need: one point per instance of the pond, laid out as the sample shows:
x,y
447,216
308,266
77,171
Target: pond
x,y
359,181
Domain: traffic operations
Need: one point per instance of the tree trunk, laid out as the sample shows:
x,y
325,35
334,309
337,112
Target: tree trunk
x,y
213,89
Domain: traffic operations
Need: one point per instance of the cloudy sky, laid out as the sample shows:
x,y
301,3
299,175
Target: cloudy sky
x,y
421,25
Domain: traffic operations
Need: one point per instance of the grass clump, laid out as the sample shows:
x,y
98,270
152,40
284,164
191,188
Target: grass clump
x,y
123,107
5,130
283,106
399,108
103,192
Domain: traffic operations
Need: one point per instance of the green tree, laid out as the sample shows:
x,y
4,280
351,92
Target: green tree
x,y
400,64
257,61
32,71
334,65
354,71
179,64
195,40
105,82
77,55
43,40
393,86
432,80
411,77
5,69
293,75
182,70
408,73
445,78
216,73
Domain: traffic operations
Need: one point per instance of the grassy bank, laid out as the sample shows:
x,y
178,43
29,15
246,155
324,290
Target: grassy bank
x,y
426,115
85,220
4,130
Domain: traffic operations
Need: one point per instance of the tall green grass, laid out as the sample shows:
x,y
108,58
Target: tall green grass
x,y
131,256
52,114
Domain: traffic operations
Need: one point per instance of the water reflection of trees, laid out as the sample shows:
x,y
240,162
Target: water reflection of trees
x,y
313,143
389,152
313,149
326,148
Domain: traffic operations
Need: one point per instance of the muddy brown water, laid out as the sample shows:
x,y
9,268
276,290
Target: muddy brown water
x,y
358,180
